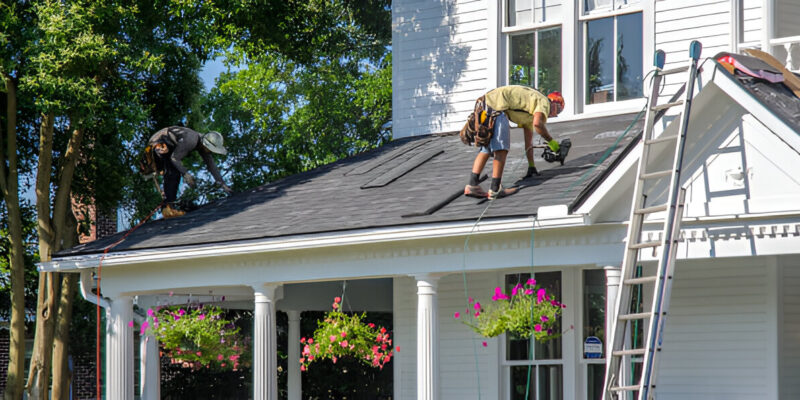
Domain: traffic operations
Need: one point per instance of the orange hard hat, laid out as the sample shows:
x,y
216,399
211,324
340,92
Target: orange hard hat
x,y
556,97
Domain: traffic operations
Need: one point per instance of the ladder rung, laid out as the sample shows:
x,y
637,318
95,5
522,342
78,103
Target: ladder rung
x,y
650,210
629,352
645,245
666,105
628,388
657,174
674,70
641,280
632,317
663,138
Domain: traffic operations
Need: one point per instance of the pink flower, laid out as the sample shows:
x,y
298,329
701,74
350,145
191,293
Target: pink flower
x,y
455,315
334,359
332,338
477,313
150,312
130,323
516,290
302,340
337,299
302,368
310,340
343,343
485,344
383,330
302,360
540,295
181,312
201,317
528,292
145,324
397,349
477,306
335,306
371,325
199,353
531,282
545,318
220,357
537,328
343,334
499,295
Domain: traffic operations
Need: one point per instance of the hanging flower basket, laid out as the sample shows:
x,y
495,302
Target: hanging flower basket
x,y
528,311
199,336
347,335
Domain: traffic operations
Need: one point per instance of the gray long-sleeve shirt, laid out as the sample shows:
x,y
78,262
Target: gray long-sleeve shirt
x,y
181,141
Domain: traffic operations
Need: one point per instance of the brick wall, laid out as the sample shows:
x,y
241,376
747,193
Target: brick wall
x,y
4,341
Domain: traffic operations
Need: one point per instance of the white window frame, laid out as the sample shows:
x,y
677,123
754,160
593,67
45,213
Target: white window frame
x,y
614,10
585,362
571,286
611,106
524,27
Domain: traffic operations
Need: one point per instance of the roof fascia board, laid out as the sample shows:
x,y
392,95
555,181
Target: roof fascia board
x,y
610,182
368,236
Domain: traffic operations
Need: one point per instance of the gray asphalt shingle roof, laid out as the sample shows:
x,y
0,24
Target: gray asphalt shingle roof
x,y
415,180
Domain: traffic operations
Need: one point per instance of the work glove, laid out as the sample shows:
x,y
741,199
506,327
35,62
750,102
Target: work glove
x,y
531,172
189,179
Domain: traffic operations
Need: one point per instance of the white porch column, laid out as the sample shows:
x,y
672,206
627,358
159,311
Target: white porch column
x,y
295,387
427,338
265,347
150,368
119,349
613,274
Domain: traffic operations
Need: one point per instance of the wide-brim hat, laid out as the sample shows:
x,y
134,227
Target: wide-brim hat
x,y
213,141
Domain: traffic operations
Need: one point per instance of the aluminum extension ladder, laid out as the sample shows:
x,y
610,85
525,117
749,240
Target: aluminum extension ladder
x,y
621,372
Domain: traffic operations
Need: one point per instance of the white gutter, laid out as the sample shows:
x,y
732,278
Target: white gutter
x,y
86,292
300,242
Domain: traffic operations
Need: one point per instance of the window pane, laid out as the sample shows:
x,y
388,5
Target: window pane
x,y
600,61
519,12
521,383
516,347
548,10
551,349
521,71
594,304
591,5
595,377
629,56
550,386
550,60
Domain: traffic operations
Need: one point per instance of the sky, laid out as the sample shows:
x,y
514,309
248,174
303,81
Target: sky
x,y
211,71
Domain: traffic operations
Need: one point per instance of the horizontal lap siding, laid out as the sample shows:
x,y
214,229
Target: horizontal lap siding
x,y
458,354
751,20
678,22
716,333
790,332
440,64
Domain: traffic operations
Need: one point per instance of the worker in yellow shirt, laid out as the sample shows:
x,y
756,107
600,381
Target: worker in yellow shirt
x,y
529,109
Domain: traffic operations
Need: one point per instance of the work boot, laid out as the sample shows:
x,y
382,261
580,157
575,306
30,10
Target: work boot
x,y
502,192
169,212
475,191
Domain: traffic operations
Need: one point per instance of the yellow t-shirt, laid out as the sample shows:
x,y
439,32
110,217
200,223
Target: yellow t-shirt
x,y
519,103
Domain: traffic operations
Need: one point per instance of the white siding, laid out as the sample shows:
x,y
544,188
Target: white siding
x,y
440,58
458,354
678,22
787,14
716,339
789,350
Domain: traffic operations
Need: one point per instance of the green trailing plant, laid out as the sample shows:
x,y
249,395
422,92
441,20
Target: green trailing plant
x,y
200,336
347,335
528,312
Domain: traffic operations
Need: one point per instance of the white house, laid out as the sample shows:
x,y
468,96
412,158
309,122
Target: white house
x,y
397,230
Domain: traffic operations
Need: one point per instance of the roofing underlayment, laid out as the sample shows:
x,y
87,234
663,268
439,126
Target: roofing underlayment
x,y
415,180
411,181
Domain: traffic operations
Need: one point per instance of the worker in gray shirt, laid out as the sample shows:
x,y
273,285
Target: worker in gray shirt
x,y
170,145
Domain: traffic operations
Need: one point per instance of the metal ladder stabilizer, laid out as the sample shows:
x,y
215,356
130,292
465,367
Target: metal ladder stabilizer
x,y
620,379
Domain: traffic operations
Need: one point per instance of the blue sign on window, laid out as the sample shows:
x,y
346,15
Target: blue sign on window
x,y
592,347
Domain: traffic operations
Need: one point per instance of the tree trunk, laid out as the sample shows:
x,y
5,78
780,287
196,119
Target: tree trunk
x,y
39,371
9,184
61,373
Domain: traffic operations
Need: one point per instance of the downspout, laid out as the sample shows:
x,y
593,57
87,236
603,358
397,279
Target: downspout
x,y
86,292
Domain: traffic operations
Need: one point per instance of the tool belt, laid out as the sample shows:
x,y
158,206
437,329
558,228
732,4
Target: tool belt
x,y
479,128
